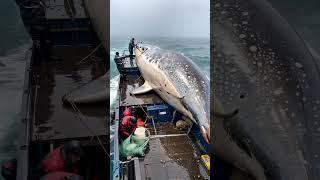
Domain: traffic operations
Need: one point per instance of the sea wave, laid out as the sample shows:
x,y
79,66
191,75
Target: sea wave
x,y
12,66
114,82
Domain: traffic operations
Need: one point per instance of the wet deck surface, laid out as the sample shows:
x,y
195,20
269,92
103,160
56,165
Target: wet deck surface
x,y
53,120
127,63
131,83
58,10
163,129
174,157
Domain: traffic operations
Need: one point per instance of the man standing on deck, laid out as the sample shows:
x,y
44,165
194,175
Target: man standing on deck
x,y
127,126
118,61
120,64
131,46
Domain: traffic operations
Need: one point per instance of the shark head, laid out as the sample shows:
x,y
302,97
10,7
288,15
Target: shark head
x,y
140,49
204,125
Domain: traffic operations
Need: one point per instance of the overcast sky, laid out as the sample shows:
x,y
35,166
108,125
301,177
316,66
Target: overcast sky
x,y
161,18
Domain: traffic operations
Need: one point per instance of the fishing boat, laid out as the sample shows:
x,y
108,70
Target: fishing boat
x,y
75,60
172,153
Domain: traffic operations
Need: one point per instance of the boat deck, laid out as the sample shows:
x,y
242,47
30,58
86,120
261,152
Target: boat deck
x,y
52,119
127,64
172,154
57,9
129,84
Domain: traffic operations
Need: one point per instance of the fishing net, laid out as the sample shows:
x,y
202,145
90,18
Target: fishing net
x,y
133,146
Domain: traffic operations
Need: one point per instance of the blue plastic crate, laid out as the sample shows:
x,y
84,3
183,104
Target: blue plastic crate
x,y
160,112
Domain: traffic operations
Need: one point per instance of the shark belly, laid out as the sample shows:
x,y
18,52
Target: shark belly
x,y
98,11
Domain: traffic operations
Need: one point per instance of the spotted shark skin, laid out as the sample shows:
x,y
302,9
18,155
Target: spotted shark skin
x,y
178,81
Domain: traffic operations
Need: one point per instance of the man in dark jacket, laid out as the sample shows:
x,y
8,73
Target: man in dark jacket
x,y
118,61
127,126
120,64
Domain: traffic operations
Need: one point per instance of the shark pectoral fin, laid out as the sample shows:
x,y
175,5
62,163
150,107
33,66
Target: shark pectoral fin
x,y
142,89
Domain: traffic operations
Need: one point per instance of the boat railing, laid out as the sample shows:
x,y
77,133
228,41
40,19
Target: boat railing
x,y
124,53
116,156
23,152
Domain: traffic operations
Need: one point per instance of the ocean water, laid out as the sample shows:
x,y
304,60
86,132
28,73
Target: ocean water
x,y
14,42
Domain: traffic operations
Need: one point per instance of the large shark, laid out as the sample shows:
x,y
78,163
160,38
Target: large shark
x,y
178,81
263,68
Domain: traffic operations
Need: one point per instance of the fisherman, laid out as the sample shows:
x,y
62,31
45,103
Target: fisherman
x,y
139,114
116,56
117,60
129,111
131,46
127,126
140,122
119,63
64,158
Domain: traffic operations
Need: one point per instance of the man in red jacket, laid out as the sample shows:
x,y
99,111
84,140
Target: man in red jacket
x,y
129,111
64,158
127,126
